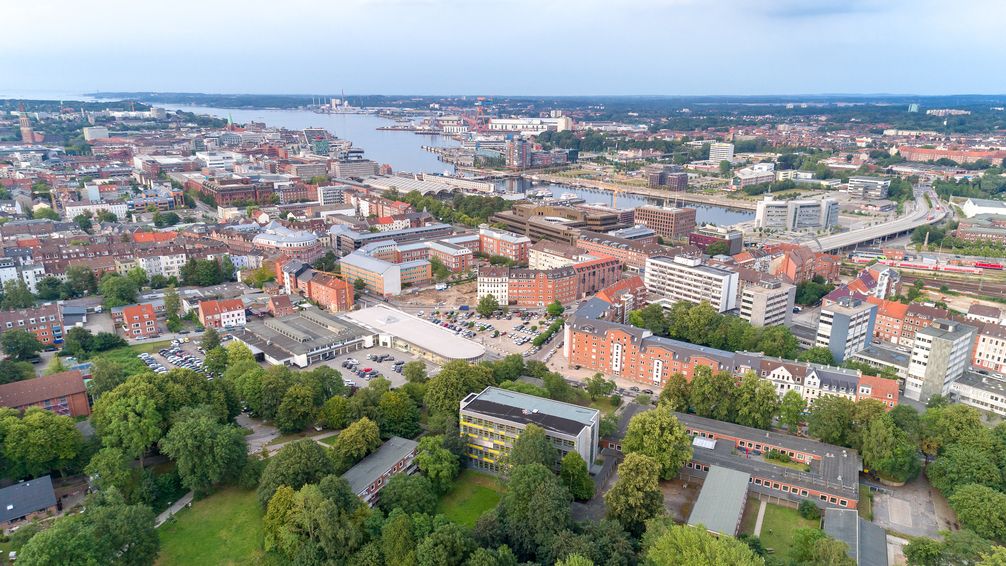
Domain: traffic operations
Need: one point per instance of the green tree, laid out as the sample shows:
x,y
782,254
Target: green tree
x,y
757,402
554,309
39,442
487,305
415,371
718,248
216,361
336,413
127,417
398,540
597,386
448,545
817,355
666,543
45,213
359,285
534,508
791,410
635,498
778,341
109,468
438,463
173,305
399,415
78,342
296,464
676,393
575,560
356,441
457,379
11,371
963,464
296,411
106,375
138,276
830,419
20,344
205,451
211,339
889,452
532,447
410,493
117,290
574,475
651,318
81,280
981,509
958,547
16,296
55,365
659,435
712,395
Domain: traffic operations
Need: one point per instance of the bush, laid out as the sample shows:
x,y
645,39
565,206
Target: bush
x,y
615,400
808,510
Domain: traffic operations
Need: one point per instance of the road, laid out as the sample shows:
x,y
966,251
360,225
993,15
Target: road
x,y
917,217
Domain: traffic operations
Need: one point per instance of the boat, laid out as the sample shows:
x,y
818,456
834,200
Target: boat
x,y
568,196
540,193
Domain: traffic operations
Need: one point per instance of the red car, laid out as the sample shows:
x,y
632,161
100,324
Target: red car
x,y
368,370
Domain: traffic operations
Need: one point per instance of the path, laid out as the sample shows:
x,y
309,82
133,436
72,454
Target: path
x,y
175,507
761,517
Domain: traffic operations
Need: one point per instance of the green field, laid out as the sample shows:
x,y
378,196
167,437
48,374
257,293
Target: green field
x,y
125,357
224,528
778,525
149,347
473,494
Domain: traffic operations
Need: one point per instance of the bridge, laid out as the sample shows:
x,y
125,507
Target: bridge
x,y
922,214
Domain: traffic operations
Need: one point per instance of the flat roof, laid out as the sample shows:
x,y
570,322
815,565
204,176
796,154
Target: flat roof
x,y
721,501
417,332
377,464
884,355
522,408
866,541
298,334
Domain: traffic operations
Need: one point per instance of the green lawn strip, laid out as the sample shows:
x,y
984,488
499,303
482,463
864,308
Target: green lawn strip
x,y
865,503
778,526
604,405
750,516
148,347
473,494
125,357
224,528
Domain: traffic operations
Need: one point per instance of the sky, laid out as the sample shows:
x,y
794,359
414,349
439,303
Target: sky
x,y
504,47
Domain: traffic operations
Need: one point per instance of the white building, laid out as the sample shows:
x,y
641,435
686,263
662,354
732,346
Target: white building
x,y
119,209
684,278
939,357
985,392
530,126
332,194
721,151
29,274
846,327
767,303
217,159
869,187
95,133
794,215
494,281
975,206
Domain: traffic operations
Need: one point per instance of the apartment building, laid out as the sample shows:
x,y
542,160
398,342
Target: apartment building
x,y
981,390
990,347
669,222
139,321
502,243
29,274
384,277
939,357
330,292
530,288
45,322
684,278
491,421
495,282
63,393
396,456
225,313
846,327
767,302
596,274
872,188
720,151
551,255
631,253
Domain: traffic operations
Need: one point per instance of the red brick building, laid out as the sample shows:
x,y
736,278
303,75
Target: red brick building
x,y
512,246
596,274
222,313
632,253
330,292
139,321
280,305
532,288
45,322
63,393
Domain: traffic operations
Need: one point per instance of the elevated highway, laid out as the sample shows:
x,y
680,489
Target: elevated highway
x,y
921,214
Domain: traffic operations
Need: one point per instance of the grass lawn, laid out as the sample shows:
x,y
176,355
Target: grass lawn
x,y
778,526
473,494
865,503
330,440
224,528
125,357
604,405
149,347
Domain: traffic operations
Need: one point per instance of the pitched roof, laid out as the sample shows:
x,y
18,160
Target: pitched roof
x,y
880,388
25,498
210,308
32,391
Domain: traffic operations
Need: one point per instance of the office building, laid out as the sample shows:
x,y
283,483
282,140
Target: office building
x,y
767,302
668,222
705,236
661,176
939,357
559,223
846,327
981,390
630,252
302,339
684,278
796,215
504,244
396,456
518,154
332,194
550,255
383,277
720,151
491,420
871,188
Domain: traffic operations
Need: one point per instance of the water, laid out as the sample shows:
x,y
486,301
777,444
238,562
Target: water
x,y
704,213
402,150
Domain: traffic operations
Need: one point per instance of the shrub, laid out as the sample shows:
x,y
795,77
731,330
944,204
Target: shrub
x,y
808,510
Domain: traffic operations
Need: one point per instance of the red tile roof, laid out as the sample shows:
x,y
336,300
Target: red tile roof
x,y
210,308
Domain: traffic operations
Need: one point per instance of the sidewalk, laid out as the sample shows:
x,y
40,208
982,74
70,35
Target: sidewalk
x,y
175,508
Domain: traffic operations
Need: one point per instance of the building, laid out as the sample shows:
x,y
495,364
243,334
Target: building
x,y
92,133
302,339
393,328
976,206
631,253
615,302
495,282
531,288
939,357
720,151
869,188
518,154
796,215
332,194
26,501
280,305
846,327
684,278
879,389
669,222
767,302
225,313
491,420
63,393
29,274
865,541
330,292
672,177
956,154
139,321
74,209
551,255
757,174
558,223
45,322
708,235
512,246
720,506
396,456
981,390
596,274
383,277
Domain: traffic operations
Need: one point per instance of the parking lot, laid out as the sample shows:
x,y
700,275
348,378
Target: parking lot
x,y
384,368
178,355
502,334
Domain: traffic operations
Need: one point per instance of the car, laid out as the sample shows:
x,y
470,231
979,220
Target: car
x,y
648,391
633,388
183,331
368,370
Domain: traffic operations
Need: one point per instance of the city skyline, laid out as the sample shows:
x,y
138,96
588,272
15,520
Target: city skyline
x,y
508,47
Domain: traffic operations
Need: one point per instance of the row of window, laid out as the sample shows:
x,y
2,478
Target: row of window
x,y
777,486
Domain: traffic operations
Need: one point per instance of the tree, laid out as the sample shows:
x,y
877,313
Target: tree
x,y
718,248
438,463
359,284
410,493
117,290
106,375
676,392
296,464
448,545
414,371
49,288
457,379
296,410
981,509
11,371
958,547
109,468
16,296
658,434
138,276
205,451
399,415
81,280
651,318
757,402
39,442
574,475
817,355
791,410
127,417
963,464
554,309
712,395
830,419
335,413
575,560
356,441
216,361
211,339
45,213
398,539
597,386
173,306
532,447
635,498
78,342
995,557
55,365
778,341
666,543
487,305
889,452
534,508
19,344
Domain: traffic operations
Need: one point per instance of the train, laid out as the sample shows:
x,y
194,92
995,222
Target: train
x,y
953,266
